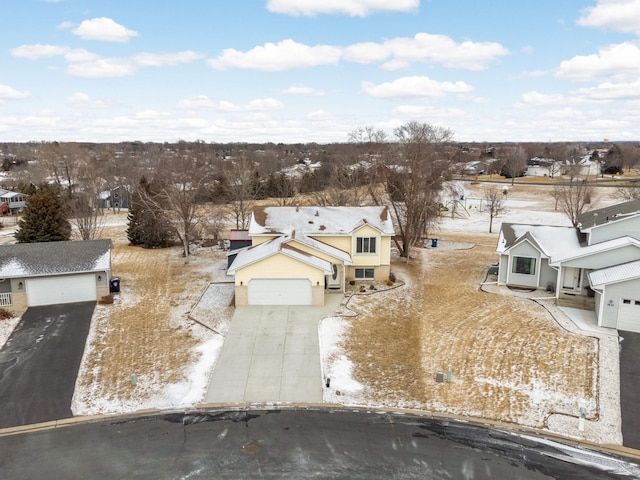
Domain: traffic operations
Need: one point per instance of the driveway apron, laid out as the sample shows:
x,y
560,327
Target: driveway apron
x,y
271,354
630,389
40,361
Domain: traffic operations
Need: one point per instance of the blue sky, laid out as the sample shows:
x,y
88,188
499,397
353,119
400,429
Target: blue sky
x,y
315,70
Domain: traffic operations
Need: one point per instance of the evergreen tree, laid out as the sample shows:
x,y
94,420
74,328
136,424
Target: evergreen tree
x,y
44,219
148,224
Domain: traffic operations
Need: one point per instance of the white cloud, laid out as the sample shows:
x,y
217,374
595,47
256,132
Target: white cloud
x,y
618,15
166,59
396,53
272,57
102,68
439,49
203,102
317,115
303,90
38,51
354,8
537,99
82,100
414,87
619,62
65,25
10,93
104,29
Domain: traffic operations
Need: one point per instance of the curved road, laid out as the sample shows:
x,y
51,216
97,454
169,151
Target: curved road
x,y
308,443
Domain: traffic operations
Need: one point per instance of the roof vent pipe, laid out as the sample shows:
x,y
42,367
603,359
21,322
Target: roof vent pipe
x,y
595,219
317,213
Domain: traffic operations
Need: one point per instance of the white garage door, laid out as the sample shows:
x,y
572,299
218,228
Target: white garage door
x,y
282,291
62,289
629,315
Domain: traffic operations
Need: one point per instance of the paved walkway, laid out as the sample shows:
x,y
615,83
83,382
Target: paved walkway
x,y
271,354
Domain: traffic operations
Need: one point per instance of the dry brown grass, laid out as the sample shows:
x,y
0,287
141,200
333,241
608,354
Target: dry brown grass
x,y
145,331
511,361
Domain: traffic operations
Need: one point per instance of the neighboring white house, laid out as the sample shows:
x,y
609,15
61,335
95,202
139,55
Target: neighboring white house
x,y
594,266
11,202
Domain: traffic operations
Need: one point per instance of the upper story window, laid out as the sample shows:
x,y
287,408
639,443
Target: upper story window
x,y
365,244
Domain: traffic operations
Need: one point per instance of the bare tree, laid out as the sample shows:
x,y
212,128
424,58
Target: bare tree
x,y
242,192
85,217
574,198
514,163
414,178
64,164
494,197
184,174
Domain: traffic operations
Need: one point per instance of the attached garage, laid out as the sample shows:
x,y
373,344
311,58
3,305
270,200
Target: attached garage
x,y
280,291
49,273
61,289
629,315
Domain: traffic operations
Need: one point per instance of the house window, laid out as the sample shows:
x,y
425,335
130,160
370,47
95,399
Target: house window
x,y
366,245
364,273
524,265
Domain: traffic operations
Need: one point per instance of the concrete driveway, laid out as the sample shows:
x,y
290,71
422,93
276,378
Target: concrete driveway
x,y
630,388
271,354
40,361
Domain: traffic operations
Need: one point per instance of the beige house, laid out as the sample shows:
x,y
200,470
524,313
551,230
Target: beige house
x,y
299,253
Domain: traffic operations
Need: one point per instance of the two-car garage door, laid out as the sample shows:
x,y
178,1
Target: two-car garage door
x,y
61,289
281,291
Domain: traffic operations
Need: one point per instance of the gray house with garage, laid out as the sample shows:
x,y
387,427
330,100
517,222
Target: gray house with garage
x,y
593,266
47,273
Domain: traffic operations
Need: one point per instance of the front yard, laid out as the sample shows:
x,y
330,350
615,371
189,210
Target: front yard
x,y
510,361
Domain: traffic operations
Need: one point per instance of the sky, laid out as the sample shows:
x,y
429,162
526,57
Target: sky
x,y
316,70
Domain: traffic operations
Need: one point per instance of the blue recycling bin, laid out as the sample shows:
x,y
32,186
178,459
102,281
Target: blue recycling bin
x,y
434,242
114,287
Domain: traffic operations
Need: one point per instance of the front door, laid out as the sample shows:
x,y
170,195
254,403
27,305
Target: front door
x,y
571,278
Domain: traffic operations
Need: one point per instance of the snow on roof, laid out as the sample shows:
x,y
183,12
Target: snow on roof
x,y
552,240
277,245
595,248
319,220
612,213
617,273
50,258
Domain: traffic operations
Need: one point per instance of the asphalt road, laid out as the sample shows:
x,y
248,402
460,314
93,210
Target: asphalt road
x,y
283,444
40,361
630,389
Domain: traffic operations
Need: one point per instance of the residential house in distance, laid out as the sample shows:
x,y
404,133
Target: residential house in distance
x,y
298,254
594,266
12,202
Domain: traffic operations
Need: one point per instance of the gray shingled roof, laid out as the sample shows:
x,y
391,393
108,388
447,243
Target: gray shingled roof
x,y
54,258
609,214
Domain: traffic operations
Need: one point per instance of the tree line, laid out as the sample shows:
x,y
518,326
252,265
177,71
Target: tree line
x,y
167,185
